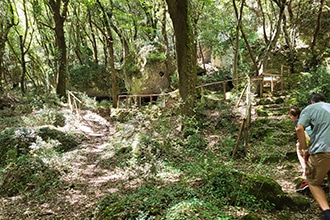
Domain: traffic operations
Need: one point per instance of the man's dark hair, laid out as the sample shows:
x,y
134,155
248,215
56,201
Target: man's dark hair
x,y
294,111
317,97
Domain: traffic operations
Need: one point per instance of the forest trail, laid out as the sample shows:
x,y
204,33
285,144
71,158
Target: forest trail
x,y
92,171
86,180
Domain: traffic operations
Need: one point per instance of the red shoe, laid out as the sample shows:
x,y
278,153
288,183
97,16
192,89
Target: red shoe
x,y
303,186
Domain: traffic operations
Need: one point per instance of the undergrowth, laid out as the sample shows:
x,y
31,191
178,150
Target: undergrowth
x,y
190,176
184,165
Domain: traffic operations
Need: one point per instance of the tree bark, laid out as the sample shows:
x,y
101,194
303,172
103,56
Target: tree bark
x,y
186,53
235,63
7,23
59,19
107,16
23,63
314,62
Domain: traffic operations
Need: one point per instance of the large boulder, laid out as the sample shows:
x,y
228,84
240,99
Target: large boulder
x,y
151,74
239,185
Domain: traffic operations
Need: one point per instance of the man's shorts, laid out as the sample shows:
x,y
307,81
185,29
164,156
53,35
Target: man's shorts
x,y
318,166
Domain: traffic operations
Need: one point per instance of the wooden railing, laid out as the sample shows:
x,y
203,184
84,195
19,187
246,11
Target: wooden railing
x,y
74,103
224,85
136,100
245,124
267,81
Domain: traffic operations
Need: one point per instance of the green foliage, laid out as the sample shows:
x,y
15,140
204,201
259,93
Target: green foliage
x,y
317,81
81,76
41,101
156,57
227,145
132,69
174,80
27,174
147,199
46,116
193,135
15,142
18,142
195,209
240,189
66,141
172,201
214,77
90,75
224,115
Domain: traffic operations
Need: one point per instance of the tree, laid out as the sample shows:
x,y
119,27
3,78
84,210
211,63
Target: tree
x,y
314,60
23,47
107,16
180,12
7,21
59,16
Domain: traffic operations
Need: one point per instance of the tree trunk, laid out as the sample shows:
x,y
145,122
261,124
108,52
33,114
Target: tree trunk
x,y
23,63
7,22
235,63
93,38
186,53
314,60
107,16
59,18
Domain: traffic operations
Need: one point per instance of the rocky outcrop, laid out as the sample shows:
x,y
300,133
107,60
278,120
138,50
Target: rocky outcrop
x,y
151,75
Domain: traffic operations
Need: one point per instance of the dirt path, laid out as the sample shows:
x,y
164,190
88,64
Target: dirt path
x,y
85,180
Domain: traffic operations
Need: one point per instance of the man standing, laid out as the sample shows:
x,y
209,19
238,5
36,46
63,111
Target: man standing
x,y
317,157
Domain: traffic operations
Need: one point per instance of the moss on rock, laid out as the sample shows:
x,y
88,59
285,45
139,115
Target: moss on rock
x,y
237,187
15,142
67,141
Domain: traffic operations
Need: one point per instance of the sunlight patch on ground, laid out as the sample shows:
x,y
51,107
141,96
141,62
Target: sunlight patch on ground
x,y
86,129
97,148
169,174
75,196
108,177
237,211
287,186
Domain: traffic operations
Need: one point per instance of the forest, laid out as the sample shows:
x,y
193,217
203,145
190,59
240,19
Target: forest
x,y
154,109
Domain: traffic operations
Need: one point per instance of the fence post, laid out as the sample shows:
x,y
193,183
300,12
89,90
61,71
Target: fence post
x,y
261,86
118,101
282,77
224,90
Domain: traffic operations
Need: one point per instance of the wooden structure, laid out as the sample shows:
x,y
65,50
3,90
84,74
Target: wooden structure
x,y
136,100
224,85
74,103
267,81
270,80
246,120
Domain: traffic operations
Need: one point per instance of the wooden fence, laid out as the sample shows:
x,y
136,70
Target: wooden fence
x,y
267,81
136,100
74,103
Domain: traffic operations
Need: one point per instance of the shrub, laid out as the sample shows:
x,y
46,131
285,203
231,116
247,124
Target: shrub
x,y
317,81
67,141
15,142
26,174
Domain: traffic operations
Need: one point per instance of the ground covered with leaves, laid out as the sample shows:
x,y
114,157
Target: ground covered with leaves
x,y
142,163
